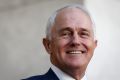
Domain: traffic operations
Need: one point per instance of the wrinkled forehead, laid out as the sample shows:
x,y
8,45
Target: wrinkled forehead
x,y
72,17
71,11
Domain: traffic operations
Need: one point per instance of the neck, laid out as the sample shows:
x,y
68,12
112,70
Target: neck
x,y
76,74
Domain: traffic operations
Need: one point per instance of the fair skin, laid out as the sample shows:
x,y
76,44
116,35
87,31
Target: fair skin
x,y
72,42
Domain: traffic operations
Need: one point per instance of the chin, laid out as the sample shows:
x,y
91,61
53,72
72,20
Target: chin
x,y
76,65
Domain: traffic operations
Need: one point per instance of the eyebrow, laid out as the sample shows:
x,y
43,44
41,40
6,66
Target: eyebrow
x,y
80,29
86,30
69,29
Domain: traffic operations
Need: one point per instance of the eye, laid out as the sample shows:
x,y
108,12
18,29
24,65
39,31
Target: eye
x,y
84,34
66,33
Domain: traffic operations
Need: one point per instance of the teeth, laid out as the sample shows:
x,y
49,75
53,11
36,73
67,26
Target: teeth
x,y
75,52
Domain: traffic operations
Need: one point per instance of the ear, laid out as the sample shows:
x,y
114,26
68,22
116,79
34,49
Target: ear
x,y
95,43
46,44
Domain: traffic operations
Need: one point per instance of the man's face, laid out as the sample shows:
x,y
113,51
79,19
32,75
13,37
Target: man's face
x,y
72,42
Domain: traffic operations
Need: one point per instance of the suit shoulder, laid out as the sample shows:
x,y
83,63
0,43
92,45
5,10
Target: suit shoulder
x,y
37,77
50,75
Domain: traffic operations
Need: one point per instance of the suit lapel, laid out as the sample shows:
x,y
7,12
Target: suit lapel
x,y
50,75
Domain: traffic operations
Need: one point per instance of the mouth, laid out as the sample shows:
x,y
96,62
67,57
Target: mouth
x,y
76,52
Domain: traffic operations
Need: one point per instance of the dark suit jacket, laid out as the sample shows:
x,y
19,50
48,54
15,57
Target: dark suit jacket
x,y
50,75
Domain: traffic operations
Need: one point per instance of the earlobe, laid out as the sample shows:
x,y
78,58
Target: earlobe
x,y
46,44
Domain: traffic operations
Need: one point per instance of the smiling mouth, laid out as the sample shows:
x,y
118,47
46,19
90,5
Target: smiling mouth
x,y
76,52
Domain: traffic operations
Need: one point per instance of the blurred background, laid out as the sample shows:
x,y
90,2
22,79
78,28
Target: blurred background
x,y
22,27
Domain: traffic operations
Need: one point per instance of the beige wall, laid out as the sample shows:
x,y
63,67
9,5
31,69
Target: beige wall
x,y
105,64
22,27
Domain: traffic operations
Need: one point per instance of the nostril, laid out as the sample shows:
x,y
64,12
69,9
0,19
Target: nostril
x,y
74,44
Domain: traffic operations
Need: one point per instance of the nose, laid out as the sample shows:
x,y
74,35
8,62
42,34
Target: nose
x,y
75,41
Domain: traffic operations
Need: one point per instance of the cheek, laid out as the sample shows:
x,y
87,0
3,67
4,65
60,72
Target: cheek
x,y
58,45
90,46
58,50
62,42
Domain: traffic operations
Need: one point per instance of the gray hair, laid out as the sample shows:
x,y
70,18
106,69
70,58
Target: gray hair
x,y
51,20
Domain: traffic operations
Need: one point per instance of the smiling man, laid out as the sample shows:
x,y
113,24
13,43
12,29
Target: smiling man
x,y
70,43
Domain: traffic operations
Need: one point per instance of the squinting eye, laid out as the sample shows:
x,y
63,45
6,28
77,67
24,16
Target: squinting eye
x,y
84,34
66,33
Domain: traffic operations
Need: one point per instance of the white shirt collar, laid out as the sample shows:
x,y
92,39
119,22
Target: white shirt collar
x,y
63,76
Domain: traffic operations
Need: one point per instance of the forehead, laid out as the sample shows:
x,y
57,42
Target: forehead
x,y
72,17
